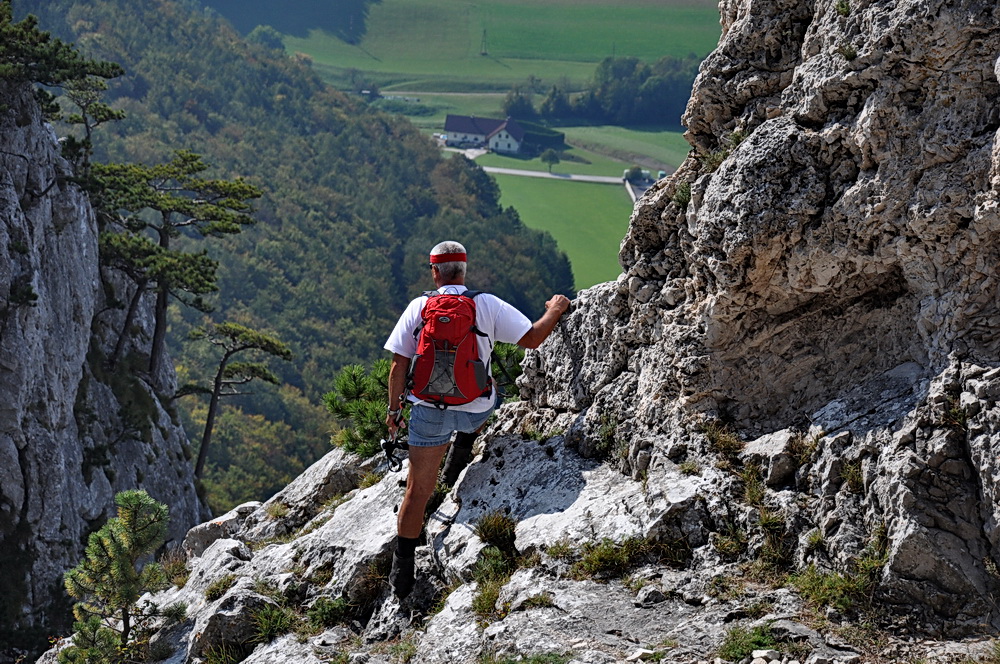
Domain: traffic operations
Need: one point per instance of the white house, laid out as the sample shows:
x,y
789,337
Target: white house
x,y
498,135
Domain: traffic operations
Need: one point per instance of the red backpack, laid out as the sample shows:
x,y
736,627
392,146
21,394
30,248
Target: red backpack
x,y
447,369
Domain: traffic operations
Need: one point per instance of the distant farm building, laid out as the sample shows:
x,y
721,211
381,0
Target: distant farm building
x,y
497,135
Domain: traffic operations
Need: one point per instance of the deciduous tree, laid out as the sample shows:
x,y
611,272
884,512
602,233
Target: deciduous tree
x,y
550,158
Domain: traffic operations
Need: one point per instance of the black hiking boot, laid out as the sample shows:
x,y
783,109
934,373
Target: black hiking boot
x,y
458,459
401,575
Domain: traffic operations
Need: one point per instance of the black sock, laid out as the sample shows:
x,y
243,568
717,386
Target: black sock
x,y
406,546
465,440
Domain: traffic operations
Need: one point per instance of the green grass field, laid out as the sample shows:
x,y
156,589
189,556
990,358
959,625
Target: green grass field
x,y
588,221
575,160
436,45
630,145
605,150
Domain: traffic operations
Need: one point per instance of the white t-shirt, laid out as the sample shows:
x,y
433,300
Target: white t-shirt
x,y
494,317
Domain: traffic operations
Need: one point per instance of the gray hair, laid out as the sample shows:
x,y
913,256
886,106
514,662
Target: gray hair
x,y
452,270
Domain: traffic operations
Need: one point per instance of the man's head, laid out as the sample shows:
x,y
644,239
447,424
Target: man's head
x,y
448,262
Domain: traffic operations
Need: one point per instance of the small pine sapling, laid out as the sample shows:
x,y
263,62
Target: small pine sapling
x,y
110,580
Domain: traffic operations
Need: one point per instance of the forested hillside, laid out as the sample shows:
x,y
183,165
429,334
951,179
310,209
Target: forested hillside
x,y
353,199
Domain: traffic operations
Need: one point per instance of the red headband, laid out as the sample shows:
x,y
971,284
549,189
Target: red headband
x,y
448,258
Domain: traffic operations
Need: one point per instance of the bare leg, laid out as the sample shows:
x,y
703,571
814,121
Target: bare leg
x,y
420,483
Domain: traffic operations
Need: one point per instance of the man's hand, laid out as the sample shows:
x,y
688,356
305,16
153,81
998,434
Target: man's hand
x,y
558,302
542,328
393,423
397,384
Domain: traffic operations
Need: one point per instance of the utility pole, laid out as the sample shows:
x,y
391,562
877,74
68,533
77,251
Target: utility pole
x,y
482,47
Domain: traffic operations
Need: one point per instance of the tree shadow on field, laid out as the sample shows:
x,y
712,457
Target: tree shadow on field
x,y
345,19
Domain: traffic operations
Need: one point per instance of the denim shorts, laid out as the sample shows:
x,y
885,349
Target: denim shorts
x,y
430,426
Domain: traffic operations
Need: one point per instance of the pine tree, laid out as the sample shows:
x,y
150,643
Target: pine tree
x,y
110,579
234,339
166,199
86,94
30,54
186,276
359,399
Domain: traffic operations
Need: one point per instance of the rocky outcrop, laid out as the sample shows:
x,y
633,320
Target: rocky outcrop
x,y
823,266
72,434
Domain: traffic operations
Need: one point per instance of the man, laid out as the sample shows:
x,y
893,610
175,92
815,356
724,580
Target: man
x,y
431,427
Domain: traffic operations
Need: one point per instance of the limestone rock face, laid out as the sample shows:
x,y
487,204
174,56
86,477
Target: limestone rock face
x,y
830,283
65,448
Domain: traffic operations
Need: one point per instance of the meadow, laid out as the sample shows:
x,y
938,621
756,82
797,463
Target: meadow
x,y
462,46
578,161
588,221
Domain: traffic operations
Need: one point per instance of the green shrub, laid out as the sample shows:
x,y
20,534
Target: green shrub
x,y
955,416
815,541
175,612
542,658
175,567
847,51
491,573
722,440
403,651
359,400
539,601
608,558
111,578
843,7
731,542
562,550
370,479
775,553
689,467
484,604
272,621
826,588
852,476
219,587
497,529
224,653
803,448
326,612
856,587
276,510
493,564
711,161
682,194
740,643
607,442
754,489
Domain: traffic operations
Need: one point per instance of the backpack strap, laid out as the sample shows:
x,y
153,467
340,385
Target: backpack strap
x,y
471,294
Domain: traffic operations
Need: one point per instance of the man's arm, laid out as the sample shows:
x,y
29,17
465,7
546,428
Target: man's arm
x,y
542,328
397,384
